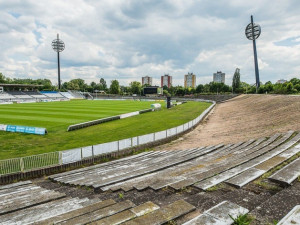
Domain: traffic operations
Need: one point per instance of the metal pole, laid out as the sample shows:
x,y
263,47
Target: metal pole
x,y
58,64
58,68
255,58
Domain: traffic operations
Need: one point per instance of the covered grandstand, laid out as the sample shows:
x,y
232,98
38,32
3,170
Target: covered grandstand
x,y
29,93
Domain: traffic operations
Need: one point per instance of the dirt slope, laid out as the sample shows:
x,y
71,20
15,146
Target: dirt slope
x,y
243,118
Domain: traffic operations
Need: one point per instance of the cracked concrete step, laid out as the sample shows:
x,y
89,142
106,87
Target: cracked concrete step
x,y
153,168
172,175
253,173
109,172
259,148
14,185
219,214
106,164
176,174
26,197
163,215
157,177
210,182
55,219
129,214
293,217
100,213
287,174
7,193
146,180
44,211
139,169
103,170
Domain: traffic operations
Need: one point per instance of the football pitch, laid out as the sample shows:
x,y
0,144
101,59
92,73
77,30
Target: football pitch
x,y
57,116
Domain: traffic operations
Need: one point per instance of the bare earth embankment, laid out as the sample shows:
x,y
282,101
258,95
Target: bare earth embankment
x,y
243,118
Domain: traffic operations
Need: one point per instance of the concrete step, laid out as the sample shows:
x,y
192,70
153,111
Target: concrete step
x,y
14,185
44,211
54,219
250,162
293,217
253,173
219,214
108,170
111,170
258,148
129,214
163,215
106,164
153,167
160,178
25,197
287,174
100,214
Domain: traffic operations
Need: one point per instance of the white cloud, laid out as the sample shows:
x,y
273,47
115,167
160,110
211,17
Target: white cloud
x,y
126,40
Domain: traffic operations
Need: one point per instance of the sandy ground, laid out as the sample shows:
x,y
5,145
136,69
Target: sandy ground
x,y
243,118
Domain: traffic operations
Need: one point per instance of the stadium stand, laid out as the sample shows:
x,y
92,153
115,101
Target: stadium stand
x,y
35,94
76,94
241,163
67,95
42,206
6,96
52,94
19,94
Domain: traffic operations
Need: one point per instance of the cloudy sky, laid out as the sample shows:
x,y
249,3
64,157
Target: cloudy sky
x,y
128,39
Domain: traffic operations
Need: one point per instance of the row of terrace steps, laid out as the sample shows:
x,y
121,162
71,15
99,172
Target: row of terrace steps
x,y
203,168
59,209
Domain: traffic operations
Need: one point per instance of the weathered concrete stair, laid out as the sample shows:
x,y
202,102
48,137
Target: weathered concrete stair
x,y
219,215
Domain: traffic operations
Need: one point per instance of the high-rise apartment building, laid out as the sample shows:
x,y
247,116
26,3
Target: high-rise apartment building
x,y
190,80
219,77
166,80
147,80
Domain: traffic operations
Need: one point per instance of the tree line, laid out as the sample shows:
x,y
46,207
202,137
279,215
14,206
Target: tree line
x,y
290,87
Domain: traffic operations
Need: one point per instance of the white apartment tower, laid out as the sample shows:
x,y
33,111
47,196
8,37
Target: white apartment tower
x,y
190,80
147,80
166,80
219,77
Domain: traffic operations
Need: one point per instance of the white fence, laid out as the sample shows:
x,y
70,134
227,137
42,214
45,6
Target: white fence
x,y
77,154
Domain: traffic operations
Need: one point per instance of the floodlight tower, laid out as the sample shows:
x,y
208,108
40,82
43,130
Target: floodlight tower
x,y
252,32
58,46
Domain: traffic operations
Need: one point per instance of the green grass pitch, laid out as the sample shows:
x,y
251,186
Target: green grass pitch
x,y
57,116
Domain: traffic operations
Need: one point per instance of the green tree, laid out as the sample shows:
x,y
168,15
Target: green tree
x,y
93,84
200,88
2,79
295,81
103,84
135,87
166,93
290,88
114,87
297,87
77,84
73,86
236,81
180,91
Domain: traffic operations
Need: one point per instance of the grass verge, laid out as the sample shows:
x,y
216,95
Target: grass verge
x,y
57,116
